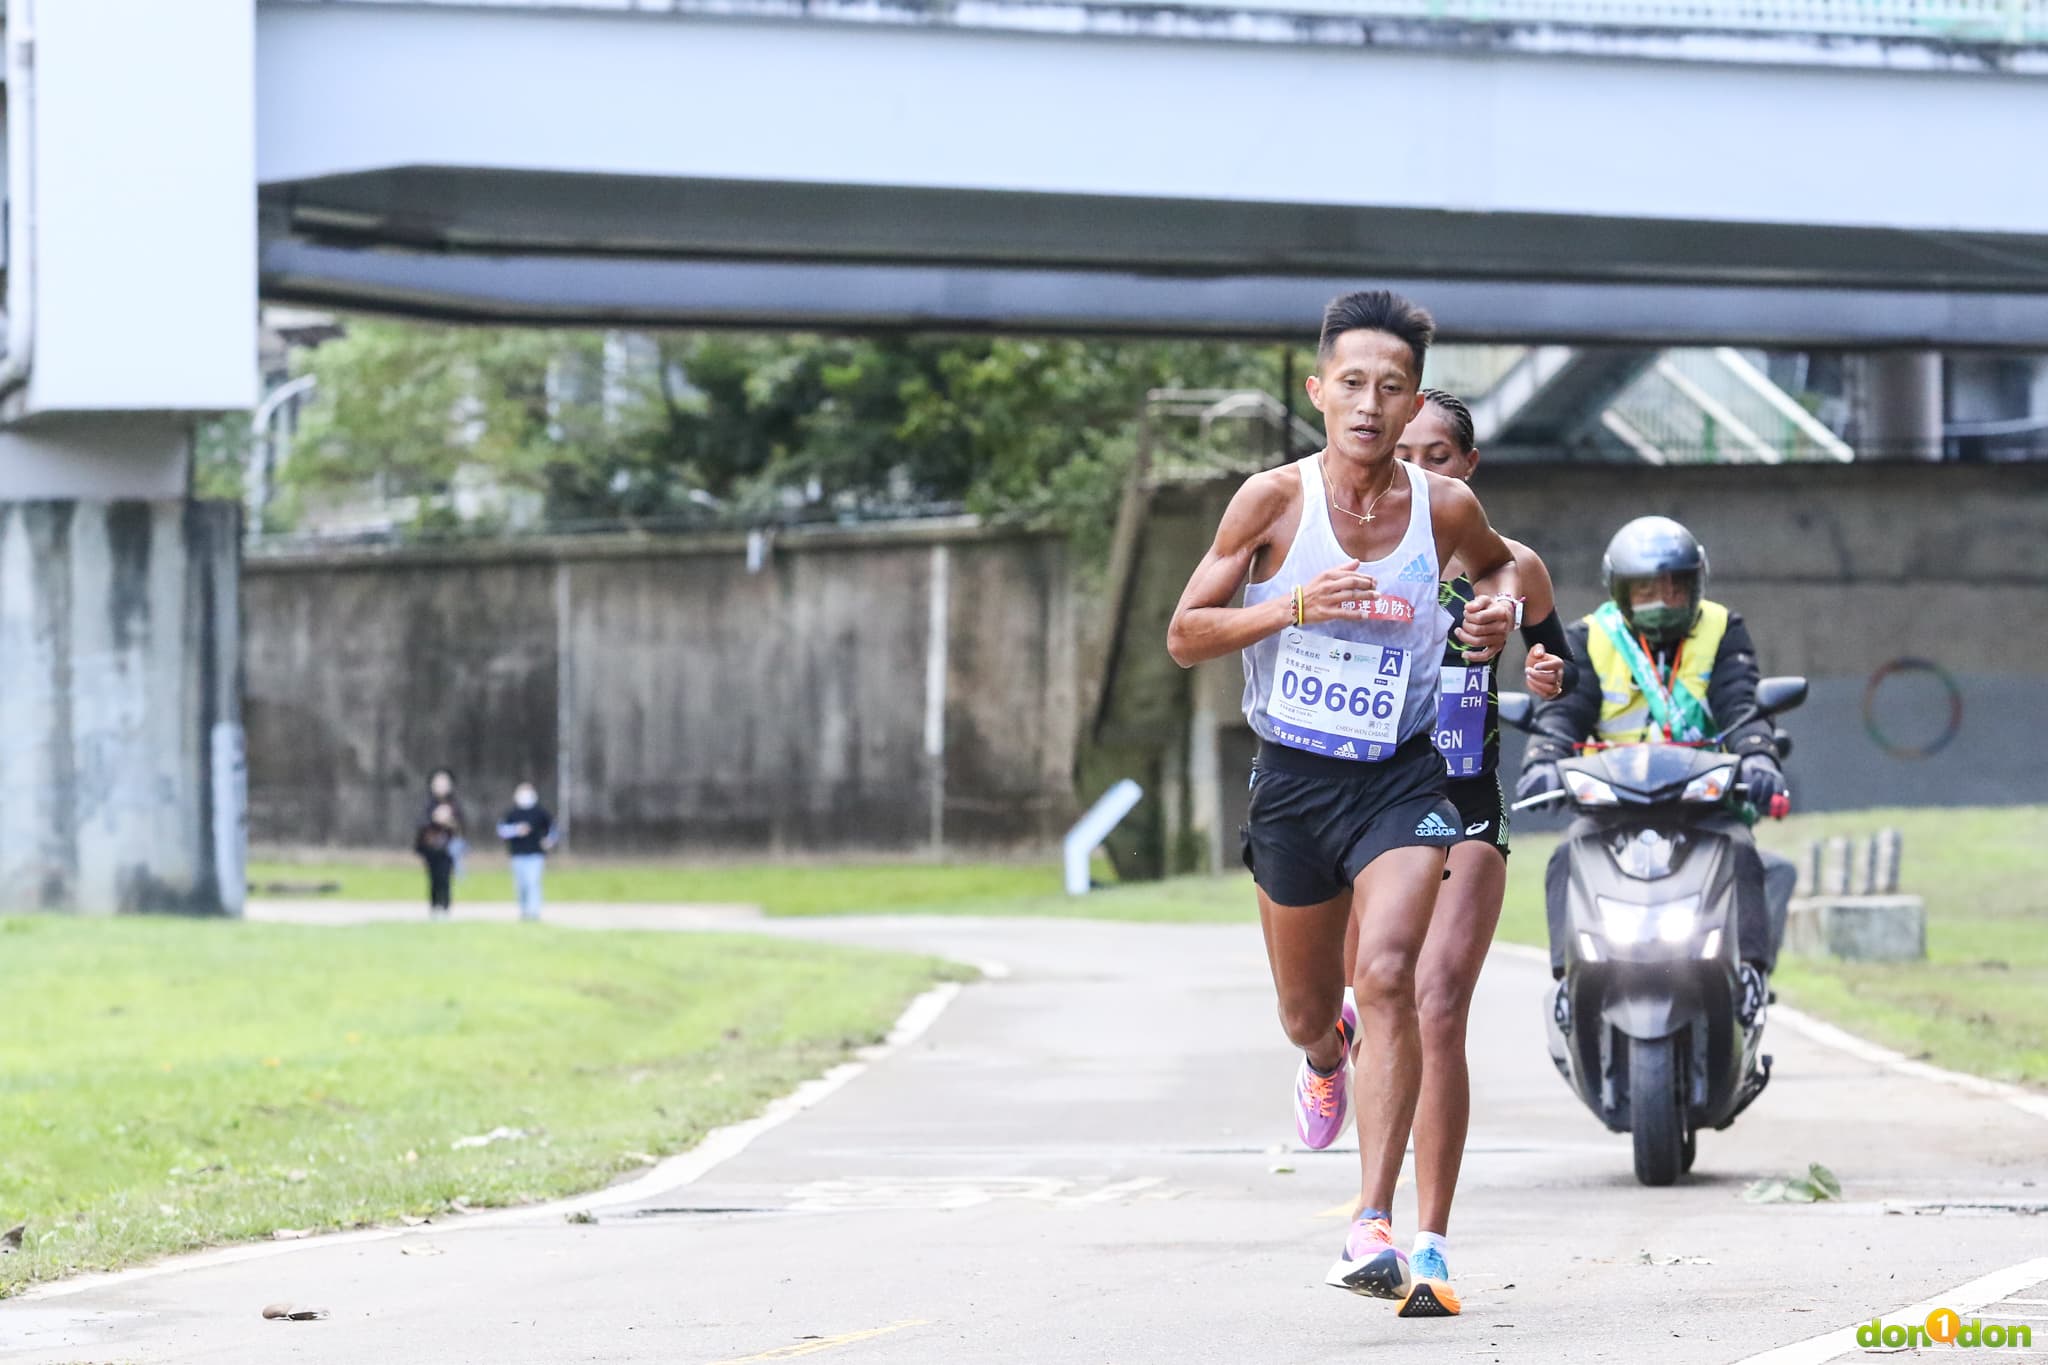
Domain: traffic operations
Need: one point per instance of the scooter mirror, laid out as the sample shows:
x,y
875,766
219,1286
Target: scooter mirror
x,y
1515,710
1774,696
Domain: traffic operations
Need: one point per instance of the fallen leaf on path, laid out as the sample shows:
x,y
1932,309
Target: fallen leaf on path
x,y
290,1234
1817,1184
413,1220
419,1249
582,1216
1281,1169
290,1313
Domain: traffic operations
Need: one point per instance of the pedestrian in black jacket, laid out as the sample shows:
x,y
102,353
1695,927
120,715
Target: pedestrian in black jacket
x,y
431,841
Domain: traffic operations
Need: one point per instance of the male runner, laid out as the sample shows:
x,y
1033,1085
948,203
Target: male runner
x,y
1339,558
1440,440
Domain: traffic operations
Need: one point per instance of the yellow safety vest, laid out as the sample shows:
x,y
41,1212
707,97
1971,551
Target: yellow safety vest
x,y
1624,715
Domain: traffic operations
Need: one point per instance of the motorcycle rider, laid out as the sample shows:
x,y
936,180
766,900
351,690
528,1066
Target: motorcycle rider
x,y
1660,660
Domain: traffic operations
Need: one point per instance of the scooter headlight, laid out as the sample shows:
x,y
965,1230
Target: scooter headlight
x,y
1646,854
1710,788
1660,921
1588,790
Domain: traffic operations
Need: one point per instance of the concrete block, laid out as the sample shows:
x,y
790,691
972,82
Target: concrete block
x,y
1858,928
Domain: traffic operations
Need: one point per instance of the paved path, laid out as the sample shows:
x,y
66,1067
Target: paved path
x,y
1075,1165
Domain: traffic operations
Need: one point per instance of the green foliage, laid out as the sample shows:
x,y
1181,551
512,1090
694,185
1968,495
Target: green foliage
x,y
661,429
220,454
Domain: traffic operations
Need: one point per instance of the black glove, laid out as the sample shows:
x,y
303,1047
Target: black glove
x,y
1538,778
1766,782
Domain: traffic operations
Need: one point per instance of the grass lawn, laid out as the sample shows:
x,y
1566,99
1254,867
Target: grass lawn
x,y
786,888
169,1084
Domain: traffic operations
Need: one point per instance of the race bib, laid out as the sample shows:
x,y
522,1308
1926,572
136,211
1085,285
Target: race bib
x,y
1461,717
1338,697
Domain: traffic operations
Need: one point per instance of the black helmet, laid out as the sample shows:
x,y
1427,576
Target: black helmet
x,y
1644,549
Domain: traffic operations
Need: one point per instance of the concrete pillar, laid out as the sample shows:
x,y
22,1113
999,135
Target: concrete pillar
x,y
1898,406
121,758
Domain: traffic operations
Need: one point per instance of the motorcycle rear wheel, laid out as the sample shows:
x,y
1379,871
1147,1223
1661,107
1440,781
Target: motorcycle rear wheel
x,y
1656,1098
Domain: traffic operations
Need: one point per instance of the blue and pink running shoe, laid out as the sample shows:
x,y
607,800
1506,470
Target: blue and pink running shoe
x,y
1321,1101
1371,1263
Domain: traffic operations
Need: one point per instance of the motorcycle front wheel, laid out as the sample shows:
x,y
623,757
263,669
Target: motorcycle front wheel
x,y
1656,1098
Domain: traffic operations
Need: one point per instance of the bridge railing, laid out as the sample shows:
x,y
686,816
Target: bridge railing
x,y
2013,22
1969,21
1698,406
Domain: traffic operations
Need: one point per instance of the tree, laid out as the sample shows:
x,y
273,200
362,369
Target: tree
x,y
1035,429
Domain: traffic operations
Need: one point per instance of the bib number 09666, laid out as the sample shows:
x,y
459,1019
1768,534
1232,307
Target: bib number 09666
x,y
1336,698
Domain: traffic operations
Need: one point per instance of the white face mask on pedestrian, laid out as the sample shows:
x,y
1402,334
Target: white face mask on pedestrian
x,y
525,798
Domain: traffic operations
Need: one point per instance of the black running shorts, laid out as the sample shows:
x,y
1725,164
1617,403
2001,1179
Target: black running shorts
x,y
1482,810
1317,822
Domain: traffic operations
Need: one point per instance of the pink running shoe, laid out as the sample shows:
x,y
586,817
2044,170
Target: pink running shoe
x,y
1371,1263
1320,1102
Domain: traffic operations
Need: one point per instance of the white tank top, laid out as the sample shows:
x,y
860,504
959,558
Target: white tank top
x,y
1307,687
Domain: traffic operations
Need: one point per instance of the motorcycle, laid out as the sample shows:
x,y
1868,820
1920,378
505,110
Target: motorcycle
x,y
1654,1025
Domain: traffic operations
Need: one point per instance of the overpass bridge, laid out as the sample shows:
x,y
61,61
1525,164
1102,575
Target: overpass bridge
x,y
1806,174
1568,172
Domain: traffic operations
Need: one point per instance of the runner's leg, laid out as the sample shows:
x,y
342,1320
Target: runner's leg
x,y
1303,943
1394,895
1467,911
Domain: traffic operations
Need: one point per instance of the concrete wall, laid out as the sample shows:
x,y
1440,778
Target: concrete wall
x,y
120,778
666,699
1841,571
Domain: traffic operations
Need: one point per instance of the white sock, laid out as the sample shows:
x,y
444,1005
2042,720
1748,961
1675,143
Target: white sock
x,y
1425,1240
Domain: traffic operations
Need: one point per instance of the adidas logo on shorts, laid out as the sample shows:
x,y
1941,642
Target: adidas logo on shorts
x,y
1434,826
1347,750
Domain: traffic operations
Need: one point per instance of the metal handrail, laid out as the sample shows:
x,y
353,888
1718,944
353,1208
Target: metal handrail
x,y
2009,22
2015,22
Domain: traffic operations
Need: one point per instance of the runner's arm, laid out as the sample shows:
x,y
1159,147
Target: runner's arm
x,y
1541,630
1731,694
1566,720
1488,561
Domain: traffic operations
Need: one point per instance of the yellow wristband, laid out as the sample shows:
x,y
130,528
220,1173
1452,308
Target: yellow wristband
x,y
1300,608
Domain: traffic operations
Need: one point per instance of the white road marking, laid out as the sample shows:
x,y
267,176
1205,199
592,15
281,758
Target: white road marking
x,y
1964,1298
867,1194
2026,1101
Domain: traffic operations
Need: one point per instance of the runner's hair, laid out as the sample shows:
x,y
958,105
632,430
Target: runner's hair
x,y
1378,310
1460,415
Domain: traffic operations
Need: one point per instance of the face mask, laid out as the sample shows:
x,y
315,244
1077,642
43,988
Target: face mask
x,y
1658,619
523,800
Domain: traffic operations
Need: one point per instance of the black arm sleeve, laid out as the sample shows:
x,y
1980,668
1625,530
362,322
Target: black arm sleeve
x,y
1550,633
1731,694
1568,718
